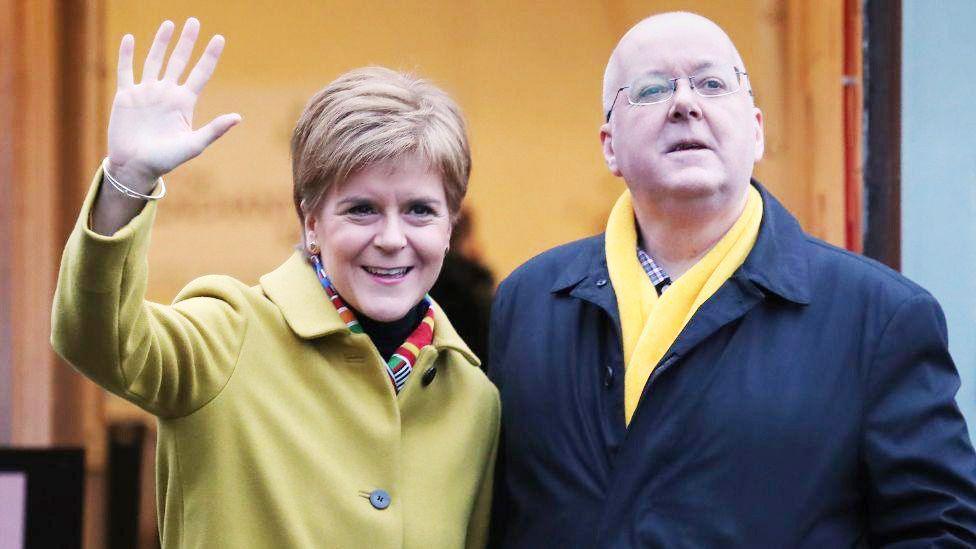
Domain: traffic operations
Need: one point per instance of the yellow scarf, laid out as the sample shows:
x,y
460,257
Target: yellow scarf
x,y
650,324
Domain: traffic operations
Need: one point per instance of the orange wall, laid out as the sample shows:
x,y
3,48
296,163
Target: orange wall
x,y
527,74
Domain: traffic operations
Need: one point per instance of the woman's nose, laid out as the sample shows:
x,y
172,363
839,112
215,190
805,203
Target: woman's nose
x,y
391,236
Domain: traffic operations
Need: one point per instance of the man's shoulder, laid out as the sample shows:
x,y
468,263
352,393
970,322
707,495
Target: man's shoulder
x,y
836,269
830,270
546,267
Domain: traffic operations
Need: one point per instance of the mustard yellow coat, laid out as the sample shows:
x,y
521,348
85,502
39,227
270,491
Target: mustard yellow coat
x,y
276,423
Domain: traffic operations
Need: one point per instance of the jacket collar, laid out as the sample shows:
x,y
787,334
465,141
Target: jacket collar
x,y
589,263
778,261
296,291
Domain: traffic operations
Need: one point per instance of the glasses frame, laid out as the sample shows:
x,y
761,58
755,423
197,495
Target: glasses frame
x,y
674,87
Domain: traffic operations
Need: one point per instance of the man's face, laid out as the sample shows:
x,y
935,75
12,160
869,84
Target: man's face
x,y
689,146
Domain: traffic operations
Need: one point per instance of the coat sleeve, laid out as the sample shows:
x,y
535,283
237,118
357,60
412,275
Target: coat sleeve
x,y
917,453
168,360
478,526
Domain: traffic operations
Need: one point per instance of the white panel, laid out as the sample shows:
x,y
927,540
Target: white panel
x,y
938,198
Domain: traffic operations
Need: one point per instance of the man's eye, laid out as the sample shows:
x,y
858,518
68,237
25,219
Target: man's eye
x,y
712,83
650,92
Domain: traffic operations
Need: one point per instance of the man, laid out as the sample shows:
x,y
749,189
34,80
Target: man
x,y
705,374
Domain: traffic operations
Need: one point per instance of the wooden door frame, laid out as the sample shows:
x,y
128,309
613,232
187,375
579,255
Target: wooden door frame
x,y
882,103
51,75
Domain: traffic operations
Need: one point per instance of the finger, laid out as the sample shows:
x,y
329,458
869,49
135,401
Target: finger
x,y
154,61
183,50
217,127
205,66
126,48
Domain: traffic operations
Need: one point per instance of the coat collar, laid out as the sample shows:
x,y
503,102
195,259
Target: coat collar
x,y
589,263
296,291
778,261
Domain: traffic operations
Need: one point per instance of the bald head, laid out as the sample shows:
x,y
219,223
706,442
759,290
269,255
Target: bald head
x,y
676,28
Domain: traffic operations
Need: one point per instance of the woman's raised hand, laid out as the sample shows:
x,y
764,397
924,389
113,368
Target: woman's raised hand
x,y
150,131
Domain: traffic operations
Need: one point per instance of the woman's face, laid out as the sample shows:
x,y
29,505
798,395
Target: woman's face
x,y
383,235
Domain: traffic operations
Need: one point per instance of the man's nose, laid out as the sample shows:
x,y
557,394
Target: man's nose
x,y
391,236
685,102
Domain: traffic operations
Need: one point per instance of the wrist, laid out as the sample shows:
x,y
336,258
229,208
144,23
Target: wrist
x,y
135,186
133,177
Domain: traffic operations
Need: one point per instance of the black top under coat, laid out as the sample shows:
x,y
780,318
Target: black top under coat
x,y
388,336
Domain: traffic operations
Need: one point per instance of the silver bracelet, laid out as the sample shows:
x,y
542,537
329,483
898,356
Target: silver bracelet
x,y
129,192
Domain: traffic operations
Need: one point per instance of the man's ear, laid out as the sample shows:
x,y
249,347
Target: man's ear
x,y
760,147
606,139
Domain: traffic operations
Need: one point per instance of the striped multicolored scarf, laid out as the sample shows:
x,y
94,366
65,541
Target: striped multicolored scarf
x,y
400,365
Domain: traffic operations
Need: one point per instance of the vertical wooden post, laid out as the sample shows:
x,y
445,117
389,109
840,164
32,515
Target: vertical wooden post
x,y
33,182
50,74
882,171
853,127
815,95
8,109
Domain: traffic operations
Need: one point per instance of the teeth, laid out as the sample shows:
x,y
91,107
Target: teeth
x,y
387,272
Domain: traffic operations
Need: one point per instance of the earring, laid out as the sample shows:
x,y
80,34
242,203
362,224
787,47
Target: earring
x,y
313,247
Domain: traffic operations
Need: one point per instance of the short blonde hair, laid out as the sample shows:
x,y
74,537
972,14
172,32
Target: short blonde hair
x,y
373,115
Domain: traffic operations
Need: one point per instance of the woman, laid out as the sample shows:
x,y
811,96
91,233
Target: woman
x,y
332,405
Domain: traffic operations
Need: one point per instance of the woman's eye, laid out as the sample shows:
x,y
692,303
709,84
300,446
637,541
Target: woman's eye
x,y
421,209
360,210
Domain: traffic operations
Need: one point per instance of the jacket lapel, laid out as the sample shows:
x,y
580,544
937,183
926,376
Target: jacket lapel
x,y
777,267
295,289
446,337
587,278
298,294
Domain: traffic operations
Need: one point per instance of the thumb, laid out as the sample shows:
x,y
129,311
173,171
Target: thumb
x,y
217,127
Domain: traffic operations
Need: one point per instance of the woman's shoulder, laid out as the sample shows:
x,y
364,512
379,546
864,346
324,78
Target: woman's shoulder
x,y
222,287
227,295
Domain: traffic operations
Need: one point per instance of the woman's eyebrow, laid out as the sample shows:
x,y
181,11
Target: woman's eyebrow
x,y
421,198
354,199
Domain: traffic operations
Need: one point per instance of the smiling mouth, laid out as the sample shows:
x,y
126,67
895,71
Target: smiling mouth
x,y
687,146
398,272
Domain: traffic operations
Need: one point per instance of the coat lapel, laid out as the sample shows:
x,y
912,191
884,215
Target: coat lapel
x,y
294,288
298,294
586,277
777,267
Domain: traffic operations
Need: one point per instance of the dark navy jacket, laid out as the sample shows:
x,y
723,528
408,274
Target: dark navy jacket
x,y
808,403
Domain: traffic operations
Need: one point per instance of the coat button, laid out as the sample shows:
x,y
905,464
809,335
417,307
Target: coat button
x,y
429,375
602,282
380,499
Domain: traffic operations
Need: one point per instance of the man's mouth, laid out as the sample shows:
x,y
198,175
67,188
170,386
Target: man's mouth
x,y
393,273
687,145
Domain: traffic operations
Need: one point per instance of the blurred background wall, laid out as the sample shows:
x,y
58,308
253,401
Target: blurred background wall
x,y
528,76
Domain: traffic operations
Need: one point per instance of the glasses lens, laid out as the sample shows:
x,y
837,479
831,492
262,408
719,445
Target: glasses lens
x,y
649,89
716,81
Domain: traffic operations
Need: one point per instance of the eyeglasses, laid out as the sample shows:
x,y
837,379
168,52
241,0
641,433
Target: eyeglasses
x,y
652,88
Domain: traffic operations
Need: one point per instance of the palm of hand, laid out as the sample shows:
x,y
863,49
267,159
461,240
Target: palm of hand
x,y
151,126
152,123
